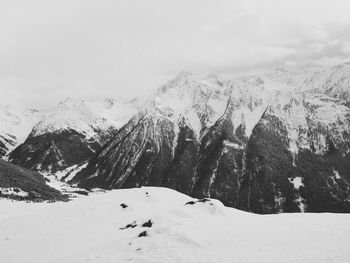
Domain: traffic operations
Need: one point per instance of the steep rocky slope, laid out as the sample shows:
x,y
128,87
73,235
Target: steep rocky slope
x,y
69,134
253,143
22,184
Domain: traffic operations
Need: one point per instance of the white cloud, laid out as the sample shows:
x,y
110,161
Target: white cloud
x,y
53,49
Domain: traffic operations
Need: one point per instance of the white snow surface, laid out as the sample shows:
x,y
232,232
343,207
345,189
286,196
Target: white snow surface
x,y
297,182
88,230
7,191
60,178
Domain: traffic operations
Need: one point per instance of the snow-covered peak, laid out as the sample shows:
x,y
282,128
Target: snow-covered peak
x,y
16,123
334,81
85,116
190,96
201,99
187,82
16,120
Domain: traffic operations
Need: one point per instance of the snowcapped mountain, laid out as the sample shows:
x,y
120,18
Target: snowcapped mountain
x,y
151,224
334,81
70,133
257,143
84,116
15,125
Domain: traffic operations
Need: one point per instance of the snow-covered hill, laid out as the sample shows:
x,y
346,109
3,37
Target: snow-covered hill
x,y
161,225
15,125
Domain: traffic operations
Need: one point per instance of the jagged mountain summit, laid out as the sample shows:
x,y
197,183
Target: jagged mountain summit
x,y
334,81
84,116
15,125
259,143
70,133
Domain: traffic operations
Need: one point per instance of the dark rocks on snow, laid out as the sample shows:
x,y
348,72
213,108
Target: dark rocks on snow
x,y
123,205
143,234
203,200
147,224
132,225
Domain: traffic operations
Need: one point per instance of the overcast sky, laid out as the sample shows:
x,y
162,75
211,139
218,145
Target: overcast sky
x,y
53,49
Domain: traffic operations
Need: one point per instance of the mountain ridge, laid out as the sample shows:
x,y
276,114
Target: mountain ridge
x,y
252,142
197,135
70,133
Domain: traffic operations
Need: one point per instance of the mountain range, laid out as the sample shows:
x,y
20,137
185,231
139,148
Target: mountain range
x,y
269,143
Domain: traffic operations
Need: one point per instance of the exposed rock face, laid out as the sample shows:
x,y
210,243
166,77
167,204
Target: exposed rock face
x,y
6,142
54,151
277,179
22,184
244,142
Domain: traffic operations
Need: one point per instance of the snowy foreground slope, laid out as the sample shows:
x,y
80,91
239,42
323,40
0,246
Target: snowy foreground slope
x,y
97,229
